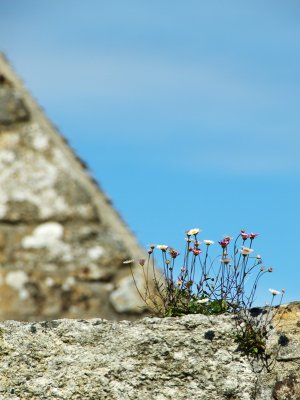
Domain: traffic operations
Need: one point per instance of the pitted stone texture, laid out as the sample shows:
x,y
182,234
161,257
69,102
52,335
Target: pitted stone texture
x,y
78,268
149,359
12,107
287,324
288,388
49,233
37,182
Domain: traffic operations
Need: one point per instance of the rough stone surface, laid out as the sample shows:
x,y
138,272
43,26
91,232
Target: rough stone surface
x,y
12,107
192,357
61,242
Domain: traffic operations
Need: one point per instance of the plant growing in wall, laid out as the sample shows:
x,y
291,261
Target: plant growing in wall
x,y
209,283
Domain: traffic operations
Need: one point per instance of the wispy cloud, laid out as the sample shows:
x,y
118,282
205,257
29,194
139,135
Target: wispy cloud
x,y
131,76
279,156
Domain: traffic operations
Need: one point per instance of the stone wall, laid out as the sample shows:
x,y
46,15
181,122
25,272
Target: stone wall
x,y
61,242
192,357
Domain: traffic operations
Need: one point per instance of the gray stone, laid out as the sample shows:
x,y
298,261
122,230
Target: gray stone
x,y
153,358
62,245
12,106
125,298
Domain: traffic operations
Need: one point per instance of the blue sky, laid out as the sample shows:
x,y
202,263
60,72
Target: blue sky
x,y
187,113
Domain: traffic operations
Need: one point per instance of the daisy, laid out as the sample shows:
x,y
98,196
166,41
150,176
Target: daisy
x,y
244,235
274,292
162,247
193,231
224,243
226,260
245,251
196,251
253,235
173,253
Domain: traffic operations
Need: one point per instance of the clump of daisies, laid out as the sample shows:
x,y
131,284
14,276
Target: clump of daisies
x,y
210,278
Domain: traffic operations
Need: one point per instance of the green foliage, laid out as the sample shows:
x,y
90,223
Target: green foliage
x,y
208,285
252,340
204,284
192,306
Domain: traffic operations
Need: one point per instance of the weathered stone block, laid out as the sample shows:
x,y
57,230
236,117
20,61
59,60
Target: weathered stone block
x,y
160,359
12,107
61,242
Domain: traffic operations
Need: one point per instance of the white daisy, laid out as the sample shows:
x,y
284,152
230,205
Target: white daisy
x,y
274,292
246,251
193,231
162,247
